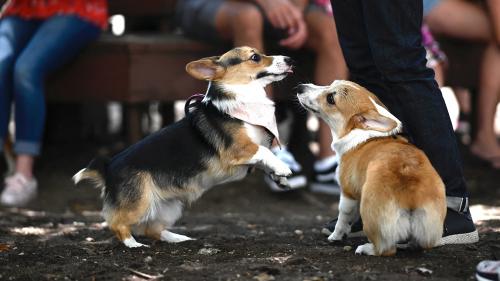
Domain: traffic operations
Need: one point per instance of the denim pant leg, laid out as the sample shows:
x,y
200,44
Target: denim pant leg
x,y
390,30
14,35
353,39
57,40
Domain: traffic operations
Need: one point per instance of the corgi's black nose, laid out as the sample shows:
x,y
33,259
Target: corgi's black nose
x,y
289,61
301,88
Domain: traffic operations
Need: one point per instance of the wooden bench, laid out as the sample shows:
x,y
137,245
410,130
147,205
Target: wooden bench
x,y
135,68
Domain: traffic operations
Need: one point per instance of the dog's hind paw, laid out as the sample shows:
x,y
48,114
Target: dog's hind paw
x,y
171,237
366,249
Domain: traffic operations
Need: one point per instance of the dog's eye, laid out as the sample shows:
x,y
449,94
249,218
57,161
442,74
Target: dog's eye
x,y
330,99
255,58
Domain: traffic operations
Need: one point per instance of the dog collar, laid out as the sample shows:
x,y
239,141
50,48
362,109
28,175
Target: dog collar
x,y
192,101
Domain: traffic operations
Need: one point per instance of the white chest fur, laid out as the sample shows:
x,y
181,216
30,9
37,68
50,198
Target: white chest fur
x,y
257,134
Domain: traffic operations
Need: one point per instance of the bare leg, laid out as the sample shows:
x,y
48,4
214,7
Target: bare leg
x,y
330,65
24,165
447,18
494,11
485,144
241,23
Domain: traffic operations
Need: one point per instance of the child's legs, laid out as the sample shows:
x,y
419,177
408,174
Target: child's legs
x,y
57,40
241,23
14,35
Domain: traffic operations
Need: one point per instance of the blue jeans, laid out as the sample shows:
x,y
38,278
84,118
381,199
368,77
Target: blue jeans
x,y
381,42
30,50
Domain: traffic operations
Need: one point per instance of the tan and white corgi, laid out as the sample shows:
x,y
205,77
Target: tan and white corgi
x,y
146,186
385,179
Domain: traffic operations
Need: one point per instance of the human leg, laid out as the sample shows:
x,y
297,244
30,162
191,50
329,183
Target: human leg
x,y
460,19
240,23
382,47
55,42
485,144
447,18
14,35
395,42
329,65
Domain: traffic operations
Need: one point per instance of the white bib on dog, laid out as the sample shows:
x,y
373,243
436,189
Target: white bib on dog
x,y
258,114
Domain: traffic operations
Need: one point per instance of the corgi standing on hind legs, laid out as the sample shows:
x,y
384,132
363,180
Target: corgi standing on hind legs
x,y
224,135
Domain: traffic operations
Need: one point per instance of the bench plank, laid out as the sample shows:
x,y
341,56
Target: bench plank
x,y
132,68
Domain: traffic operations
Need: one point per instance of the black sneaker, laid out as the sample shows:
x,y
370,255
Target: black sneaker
x,y
459,229
488,271
296,181
324,181
356,228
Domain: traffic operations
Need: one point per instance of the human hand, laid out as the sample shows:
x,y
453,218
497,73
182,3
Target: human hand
x,y
283,14
297,37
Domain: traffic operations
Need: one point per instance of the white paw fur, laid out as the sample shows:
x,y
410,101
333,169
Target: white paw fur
x,y
131,243
366,249
339,232
281,169
171,237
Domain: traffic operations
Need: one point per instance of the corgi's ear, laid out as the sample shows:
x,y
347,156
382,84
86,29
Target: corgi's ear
x,y
372,120
206,69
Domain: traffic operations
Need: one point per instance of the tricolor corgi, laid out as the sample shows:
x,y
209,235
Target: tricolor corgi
x,y
223,136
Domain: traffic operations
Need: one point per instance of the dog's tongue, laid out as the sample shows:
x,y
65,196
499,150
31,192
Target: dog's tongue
x,y
258,114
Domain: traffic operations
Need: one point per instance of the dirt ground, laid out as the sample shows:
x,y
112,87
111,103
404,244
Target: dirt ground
x,y
243,232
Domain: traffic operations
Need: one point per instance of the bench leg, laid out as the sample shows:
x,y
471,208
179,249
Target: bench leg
x,y
134,132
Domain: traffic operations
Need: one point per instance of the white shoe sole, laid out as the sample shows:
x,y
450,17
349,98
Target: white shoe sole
x,y
325,188
462,238
480,278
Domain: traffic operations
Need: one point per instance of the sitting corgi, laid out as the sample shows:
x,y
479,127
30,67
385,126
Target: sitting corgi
x,y
383,177
222,137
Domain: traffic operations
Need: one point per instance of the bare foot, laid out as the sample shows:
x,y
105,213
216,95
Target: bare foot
x,y
488,152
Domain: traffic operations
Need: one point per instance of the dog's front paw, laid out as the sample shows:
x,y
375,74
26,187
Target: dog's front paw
x,y
339,233
282,170
335,237
281,181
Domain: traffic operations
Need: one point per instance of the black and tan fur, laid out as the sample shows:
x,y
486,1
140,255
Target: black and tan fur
x,y
146,186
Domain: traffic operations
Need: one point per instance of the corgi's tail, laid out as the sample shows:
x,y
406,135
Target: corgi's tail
x,y
95,172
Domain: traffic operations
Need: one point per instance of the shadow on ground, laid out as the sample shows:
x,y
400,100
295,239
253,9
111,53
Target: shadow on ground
x,y
243,233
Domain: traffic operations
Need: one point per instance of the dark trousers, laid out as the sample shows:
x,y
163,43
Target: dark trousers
x,y
381,42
